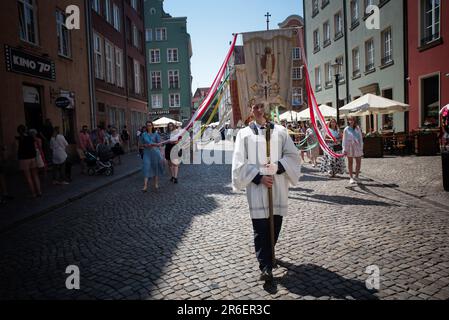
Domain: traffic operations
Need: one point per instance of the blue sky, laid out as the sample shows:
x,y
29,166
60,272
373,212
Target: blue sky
x,y
212,22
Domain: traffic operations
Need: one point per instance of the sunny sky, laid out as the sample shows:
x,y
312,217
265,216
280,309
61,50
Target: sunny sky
x,y
212,22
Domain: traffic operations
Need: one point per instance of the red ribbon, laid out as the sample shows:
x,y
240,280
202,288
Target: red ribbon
x,y
210,94
314,110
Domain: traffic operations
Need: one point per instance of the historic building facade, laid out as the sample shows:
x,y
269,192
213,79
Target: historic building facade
x,y
44,69
118,63
368,60
168,49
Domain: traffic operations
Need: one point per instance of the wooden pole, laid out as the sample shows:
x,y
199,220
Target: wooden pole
x,y
270,197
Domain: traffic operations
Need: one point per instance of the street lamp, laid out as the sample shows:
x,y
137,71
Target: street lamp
x,y
337,65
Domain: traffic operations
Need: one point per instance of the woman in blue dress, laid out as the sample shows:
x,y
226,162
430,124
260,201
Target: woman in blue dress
x,y
152,159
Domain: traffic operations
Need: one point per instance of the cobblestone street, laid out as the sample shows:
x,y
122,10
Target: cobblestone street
x,y
194,241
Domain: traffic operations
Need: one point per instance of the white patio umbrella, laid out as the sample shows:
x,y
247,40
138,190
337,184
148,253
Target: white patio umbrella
x,y
164,121
289,116
326,111
372,104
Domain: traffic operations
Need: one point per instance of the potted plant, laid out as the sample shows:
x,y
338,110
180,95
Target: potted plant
x,y
426,142
373,145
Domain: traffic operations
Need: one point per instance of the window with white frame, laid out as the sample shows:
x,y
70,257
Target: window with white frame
x,y
338,24
172,55
156,101
327,33
117,17
297,96
27,21
368,3
161,34
107,11
148,35
173,79
175,100
156,82
136,42
316,40
96,6
98,52
355,61
63,35
119,67
155,56
369,55
296,73
387,47
134,4
315,7
296,53
318,78
109,57
430,18
137,84
354,11
328,74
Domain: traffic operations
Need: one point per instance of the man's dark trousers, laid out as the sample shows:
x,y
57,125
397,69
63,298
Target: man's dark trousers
x,y
262,240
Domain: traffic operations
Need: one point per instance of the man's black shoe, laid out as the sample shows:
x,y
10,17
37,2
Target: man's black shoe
x,y
267,275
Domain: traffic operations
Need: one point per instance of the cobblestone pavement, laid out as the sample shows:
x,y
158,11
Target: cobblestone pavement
x,y
194,241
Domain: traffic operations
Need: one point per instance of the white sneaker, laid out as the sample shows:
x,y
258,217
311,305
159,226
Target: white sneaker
x,y
352,181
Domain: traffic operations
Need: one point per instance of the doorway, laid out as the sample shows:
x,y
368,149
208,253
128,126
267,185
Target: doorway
x,y
32,103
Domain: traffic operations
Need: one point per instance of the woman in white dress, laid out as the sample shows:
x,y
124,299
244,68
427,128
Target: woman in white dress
x,y
58,145
353,148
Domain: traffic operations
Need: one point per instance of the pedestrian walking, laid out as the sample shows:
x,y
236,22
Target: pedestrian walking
x,y
125,139
172,156
116,142
152,160
353,148
314,148
40,155
251,171
58,145
329,164
26,154
139,136
85,144
3,185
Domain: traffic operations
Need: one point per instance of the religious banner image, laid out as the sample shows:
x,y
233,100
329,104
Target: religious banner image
x,y
265,75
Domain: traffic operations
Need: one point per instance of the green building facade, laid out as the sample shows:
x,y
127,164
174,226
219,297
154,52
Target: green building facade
x,y
168,49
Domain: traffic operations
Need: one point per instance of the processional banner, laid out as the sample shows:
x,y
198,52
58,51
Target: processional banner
x,y
267,70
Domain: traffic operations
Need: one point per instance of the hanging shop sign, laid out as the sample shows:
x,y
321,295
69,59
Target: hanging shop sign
x,y
19,61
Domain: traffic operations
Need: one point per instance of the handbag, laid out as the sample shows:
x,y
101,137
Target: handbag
x,y
39,161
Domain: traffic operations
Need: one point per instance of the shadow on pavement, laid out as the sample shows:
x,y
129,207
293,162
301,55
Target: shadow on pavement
x,y
122,240
312,280
341,200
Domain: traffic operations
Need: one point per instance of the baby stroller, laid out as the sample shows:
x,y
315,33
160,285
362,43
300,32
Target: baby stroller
x,y
100,163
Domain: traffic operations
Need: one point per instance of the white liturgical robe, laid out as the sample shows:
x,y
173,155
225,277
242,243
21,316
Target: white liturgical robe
x,y
248,159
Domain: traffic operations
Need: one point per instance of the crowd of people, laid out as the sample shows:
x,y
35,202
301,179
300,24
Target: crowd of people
x,y
39,152
348,142
155,147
